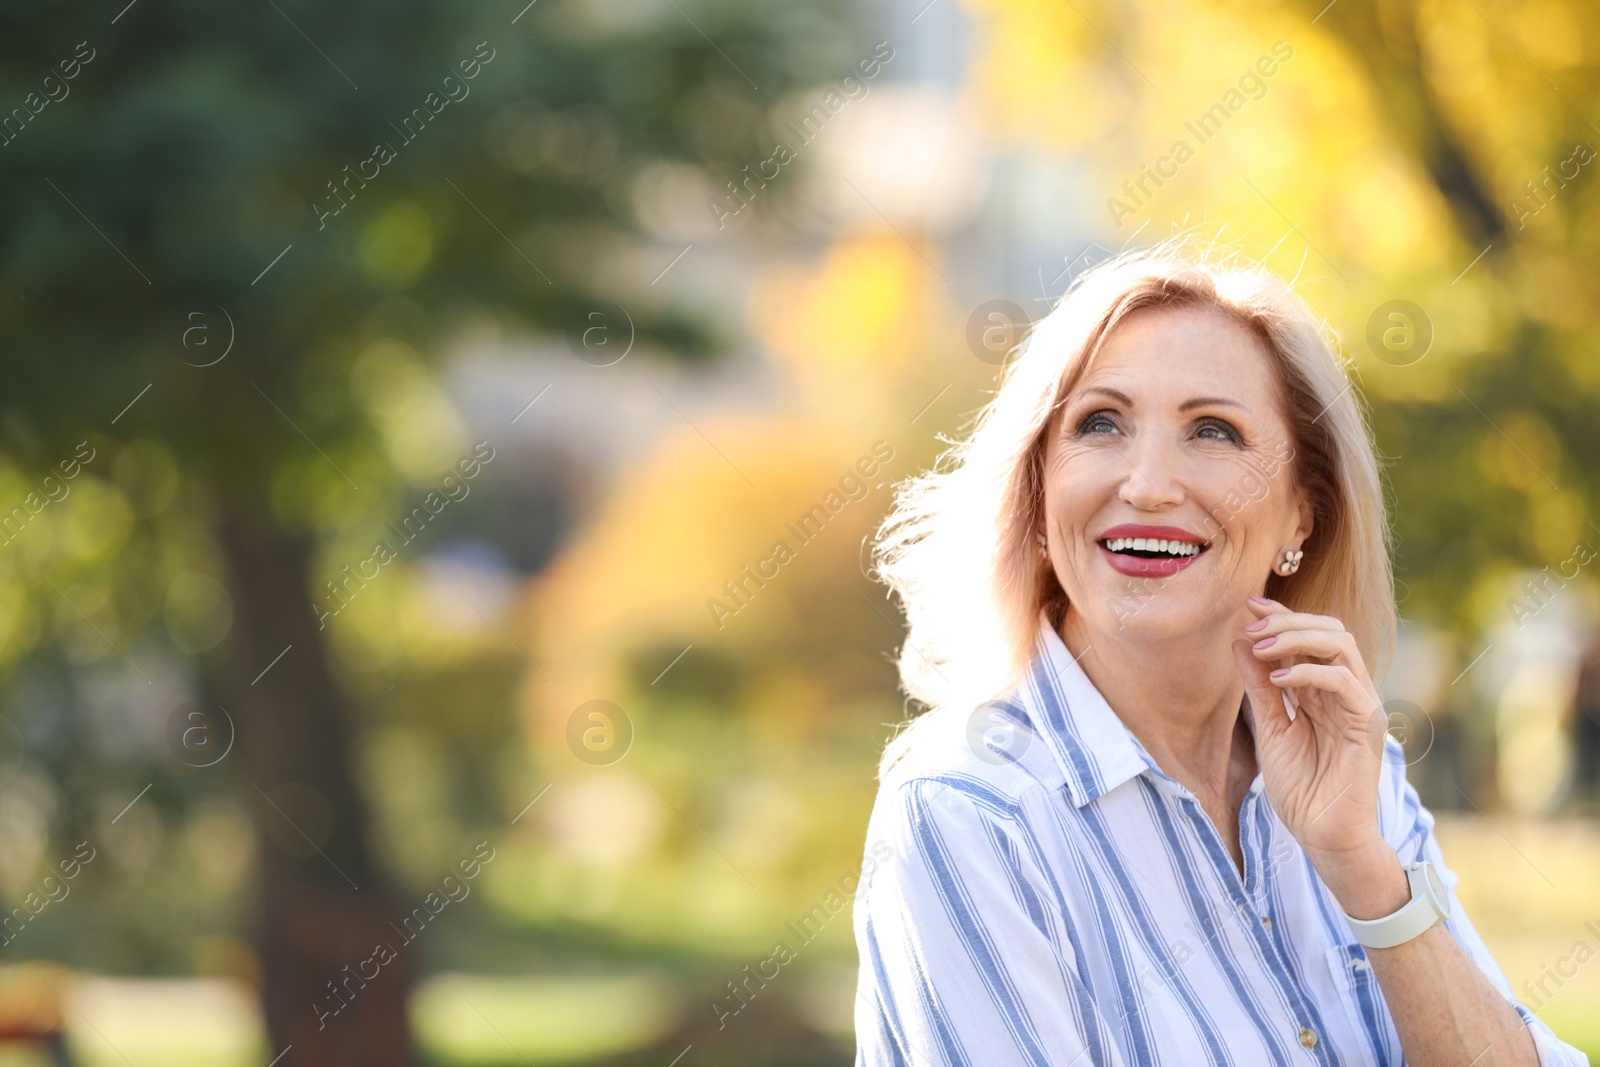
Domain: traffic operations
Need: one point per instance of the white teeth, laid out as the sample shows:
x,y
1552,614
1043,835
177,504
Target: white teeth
x,y
1152,544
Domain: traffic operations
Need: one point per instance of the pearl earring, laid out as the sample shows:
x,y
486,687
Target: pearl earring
x,y
1291,562
1044,546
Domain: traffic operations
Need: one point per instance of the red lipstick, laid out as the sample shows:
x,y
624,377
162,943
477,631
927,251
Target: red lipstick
x,y
1163,533
1155,567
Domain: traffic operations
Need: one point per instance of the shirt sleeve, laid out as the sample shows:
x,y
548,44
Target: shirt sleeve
x,y
1409,828
964,959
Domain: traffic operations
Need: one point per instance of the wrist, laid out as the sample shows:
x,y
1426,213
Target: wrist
x,y
1368,881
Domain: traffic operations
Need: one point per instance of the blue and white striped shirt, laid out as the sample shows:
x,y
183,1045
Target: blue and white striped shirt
x,y
1054,898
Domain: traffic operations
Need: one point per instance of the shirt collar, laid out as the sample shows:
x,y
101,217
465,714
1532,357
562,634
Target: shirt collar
x,y
1096,750
1093,746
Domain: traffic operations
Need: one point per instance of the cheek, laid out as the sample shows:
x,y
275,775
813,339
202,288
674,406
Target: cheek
x,y
1221,471
1073,491
1085,469
1088,449
1243,497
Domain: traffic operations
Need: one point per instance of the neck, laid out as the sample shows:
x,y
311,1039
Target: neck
x,y
1180,697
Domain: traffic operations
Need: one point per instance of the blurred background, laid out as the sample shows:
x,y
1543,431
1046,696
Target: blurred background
x,y
404,403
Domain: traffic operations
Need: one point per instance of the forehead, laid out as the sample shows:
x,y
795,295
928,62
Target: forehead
x,y
1157,355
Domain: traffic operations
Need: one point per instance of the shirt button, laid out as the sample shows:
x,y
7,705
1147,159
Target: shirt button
x,y
1308,1038
1266,921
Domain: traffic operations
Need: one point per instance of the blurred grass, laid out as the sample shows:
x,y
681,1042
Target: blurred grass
x,y
161,1021
1529,887
16,1054
1526,883
479,1020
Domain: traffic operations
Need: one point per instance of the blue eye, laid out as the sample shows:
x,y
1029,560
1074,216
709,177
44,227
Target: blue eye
x,y
1228,432
1097,418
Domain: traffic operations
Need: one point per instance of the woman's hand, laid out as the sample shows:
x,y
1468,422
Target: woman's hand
x,y
1321,771
1321,768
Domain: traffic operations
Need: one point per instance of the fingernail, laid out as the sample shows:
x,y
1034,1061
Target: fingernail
x,y
1279,673
1260,599
1268,643
1258,624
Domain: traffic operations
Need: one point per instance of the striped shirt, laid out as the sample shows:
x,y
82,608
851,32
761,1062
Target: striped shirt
x,y
1053,898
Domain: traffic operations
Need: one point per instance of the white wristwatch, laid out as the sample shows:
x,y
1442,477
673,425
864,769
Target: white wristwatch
x,y
1429,903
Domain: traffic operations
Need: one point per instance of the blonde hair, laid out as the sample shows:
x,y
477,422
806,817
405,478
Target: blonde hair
x,y
958,547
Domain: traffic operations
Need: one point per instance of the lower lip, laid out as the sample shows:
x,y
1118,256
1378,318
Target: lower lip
x,y
1135,567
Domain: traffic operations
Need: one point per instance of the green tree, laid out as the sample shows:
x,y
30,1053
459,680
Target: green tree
x,y
290,183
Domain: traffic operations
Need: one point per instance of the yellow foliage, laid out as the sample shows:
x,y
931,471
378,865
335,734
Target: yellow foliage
x,y
675,531
852,324
98,520
1556,522
422,432
1547,31
1518,451
398,244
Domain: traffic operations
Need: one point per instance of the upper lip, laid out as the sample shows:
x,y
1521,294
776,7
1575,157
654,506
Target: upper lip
x,y
1160,533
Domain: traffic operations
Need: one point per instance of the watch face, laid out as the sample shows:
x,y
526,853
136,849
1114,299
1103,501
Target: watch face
x,y
1438,889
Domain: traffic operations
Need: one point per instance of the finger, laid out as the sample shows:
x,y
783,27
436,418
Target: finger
x,y
1336,645
1266,604
1339,681
1266,699
1276,622
1263,606
1273,609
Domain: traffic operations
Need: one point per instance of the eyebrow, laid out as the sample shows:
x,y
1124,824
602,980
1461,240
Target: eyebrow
x,y
1193,402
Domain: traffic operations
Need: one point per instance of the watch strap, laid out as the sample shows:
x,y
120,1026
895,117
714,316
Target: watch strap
x,y
1416,917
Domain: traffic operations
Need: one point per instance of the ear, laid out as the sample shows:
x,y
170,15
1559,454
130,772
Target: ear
x,y
1307,516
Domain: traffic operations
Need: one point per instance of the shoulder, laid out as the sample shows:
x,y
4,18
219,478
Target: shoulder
x,y
989,757
994,745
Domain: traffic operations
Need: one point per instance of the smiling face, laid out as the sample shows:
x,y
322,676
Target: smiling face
x,y
1167,494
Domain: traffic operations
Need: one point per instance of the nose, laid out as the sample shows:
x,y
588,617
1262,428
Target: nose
x,y
1151,481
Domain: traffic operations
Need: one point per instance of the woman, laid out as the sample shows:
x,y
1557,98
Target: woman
x,y
1113,838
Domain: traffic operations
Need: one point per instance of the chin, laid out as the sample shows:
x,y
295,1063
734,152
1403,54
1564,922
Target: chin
x,y
1152,621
